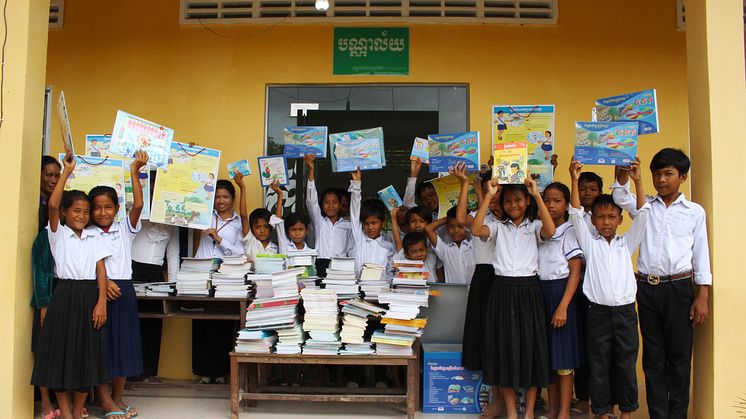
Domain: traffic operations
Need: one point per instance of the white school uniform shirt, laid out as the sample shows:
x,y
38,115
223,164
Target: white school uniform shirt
x,y
408,198
229,231
367,250
153,242
609,275
76,257
484,249
555,252
283,243
332,239
254,246
432,263
458,260
120,236
675,239
516,248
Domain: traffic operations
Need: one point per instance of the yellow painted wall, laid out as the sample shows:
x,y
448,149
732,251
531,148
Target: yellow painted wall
x,y
212,90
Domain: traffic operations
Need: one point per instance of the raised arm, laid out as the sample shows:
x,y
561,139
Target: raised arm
x,y
547,223
430,231
172,254
395,229
460,172
637,231
141,159
636,175
478,228
56,197
282,239
243,209
620,190
356,197
312,196
582,232
275,186
415,164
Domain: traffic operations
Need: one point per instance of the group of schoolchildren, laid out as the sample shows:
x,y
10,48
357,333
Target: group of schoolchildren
x,y
552,291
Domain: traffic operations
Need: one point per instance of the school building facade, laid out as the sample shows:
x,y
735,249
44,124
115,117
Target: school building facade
x,y
210,83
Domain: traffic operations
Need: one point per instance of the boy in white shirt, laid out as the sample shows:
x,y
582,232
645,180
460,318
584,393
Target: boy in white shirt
x,y
610,286
673,252
367,224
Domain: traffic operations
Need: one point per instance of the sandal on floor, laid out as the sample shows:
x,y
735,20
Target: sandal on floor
x,y
84,412
115,413
220,380
53,414
205,380
128,410
491,411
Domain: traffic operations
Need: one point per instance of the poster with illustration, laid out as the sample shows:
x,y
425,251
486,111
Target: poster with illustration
x,y
184,194
510,163
241,166
421,150
606,143
132,133
448,188
532,125
97,145
301,141
448,386
640,107
390,197
94,171
376,133
447,150
272,168
348,155
64,120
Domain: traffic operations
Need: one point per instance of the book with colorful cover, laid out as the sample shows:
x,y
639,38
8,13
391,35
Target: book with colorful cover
x,y
606,143
132,133
241,166
421,150
390,197
448,189
301,141
349,154
446,150
272,168
510,163
640,107
94,171
64,120
364,133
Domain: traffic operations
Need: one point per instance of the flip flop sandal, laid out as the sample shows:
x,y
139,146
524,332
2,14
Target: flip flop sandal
x,y
84,412
53,414
127,411
115,413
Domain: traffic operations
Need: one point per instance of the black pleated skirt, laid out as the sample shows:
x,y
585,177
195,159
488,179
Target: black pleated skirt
x,y
476,312
565,350
123,333
515,348
71,354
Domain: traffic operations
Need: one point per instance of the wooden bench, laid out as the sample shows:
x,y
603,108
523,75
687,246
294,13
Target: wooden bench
x,y
245,380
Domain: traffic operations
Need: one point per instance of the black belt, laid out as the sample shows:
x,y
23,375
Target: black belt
x,y
658,279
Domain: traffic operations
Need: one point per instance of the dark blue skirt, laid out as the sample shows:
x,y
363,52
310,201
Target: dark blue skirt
x,y
565,350
123,332
476,313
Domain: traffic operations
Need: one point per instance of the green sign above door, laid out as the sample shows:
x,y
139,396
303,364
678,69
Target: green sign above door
x,y
372,51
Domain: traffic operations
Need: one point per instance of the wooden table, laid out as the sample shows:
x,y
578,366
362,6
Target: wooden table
x,y
245,383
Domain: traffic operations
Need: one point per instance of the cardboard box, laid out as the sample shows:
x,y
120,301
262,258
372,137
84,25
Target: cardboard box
x,y
447,386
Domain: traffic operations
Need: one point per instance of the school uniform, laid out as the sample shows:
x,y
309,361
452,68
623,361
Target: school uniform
x,y
673,252
458,260
367,250
565,347
432,263
332,239
154,245
515,342
283,243
476,303
582,373
72,354
610,286
213,340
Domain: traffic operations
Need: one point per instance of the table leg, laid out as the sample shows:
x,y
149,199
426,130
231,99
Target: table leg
x,y
234,388
413,387
252,373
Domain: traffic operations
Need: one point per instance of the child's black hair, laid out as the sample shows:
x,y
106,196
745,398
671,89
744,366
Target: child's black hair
x,y
104,190
292,219
69,197
259,214
373,207
422,187
564,190
451,214
421,212
227,186
604,200
586,177
671,157
412,238
532,210
46,160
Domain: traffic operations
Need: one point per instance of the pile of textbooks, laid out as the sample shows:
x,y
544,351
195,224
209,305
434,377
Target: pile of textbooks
x,y
255,341
154,289
409,290
387,344
194,275
306,259
268,263
230,279
356,315
321,322
341,278
410,274
373,280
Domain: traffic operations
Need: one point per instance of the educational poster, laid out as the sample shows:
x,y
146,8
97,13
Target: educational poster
x,y
448,188
348,155
184,194
447,386
64,120
97,145
447,150
241,166
640,107
530,124
421,150
94,171
606,143
364,133
132,133
272,168
510,163
300,141
390,197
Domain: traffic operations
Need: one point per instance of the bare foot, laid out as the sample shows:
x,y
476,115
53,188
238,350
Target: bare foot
x,y
124,407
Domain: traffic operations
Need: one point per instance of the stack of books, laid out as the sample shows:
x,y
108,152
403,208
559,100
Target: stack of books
x,y
160,289
285,283
392,344
410,274
268,263
404,303
230,280
321,322
261,286
340,277
356,315
372,280
272,314
305,258
256,341
412,328
193,277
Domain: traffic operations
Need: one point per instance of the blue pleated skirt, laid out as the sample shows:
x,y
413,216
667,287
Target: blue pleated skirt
x,y
123,333
565,350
